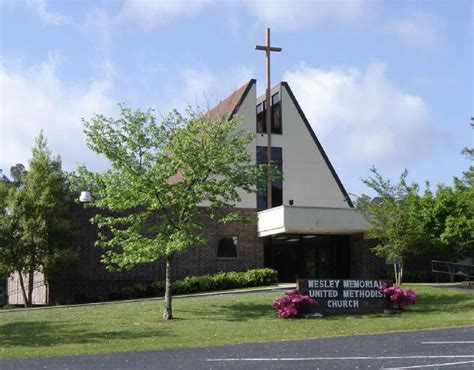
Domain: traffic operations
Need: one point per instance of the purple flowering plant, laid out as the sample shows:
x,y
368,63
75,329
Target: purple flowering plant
x,y
292,305
398,296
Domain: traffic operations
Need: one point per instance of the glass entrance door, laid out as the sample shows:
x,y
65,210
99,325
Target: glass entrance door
x,y
308,256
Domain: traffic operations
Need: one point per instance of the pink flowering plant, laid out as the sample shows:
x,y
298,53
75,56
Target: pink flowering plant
x,y
398,296
292,305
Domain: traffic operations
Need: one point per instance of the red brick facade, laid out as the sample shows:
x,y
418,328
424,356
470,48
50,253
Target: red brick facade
x,y
88,279
364,263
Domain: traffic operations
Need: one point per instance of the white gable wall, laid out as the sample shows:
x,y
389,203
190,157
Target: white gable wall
x,y
247,113
307,180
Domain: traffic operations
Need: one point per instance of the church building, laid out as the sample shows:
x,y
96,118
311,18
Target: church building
x,y
311,230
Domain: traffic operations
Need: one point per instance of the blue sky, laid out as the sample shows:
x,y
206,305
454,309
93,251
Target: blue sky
x,y
384,83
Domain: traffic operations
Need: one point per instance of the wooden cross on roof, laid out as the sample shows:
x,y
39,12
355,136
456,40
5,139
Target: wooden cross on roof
x,y
268,49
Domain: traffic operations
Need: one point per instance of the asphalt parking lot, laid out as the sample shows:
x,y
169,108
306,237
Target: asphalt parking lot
x,y
426,349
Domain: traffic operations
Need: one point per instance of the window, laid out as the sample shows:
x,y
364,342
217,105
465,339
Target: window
x,y
261,125
275,116
276,98
227,247
277,186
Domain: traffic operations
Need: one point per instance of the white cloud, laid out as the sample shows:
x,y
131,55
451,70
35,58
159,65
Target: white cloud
x,y
155,12
35,99
360,115
301,13
47,17
196,85
418,30
99,26
202,88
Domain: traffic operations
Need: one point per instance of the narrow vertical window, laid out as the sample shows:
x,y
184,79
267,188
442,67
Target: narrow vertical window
x,y
277,186
261,125
276,124
276,114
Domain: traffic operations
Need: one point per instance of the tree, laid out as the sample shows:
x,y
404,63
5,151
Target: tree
x,y
35,229
16,173
4,181
469,154
160,176
395,219
448,220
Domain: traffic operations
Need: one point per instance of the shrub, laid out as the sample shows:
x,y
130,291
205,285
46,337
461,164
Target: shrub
x,y
260,277
292,305
398,296
203,283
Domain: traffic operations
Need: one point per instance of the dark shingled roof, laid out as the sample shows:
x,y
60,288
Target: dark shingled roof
x,y
229,105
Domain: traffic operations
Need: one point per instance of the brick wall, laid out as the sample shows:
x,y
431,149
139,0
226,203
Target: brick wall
x,y
364,263
87,279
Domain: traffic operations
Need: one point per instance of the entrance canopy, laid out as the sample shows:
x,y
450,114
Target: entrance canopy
x,y
310,220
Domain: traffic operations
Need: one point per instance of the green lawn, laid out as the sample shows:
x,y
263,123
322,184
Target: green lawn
x,y
206,321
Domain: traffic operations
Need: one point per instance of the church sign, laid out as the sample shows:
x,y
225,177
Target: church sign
x,y
336,296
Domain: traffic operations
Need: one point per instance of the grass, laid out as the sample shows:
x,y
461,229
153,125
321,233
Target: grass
x,y
205,321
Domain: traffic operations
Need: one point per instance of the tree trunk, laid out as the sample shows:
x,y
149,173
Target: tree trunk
x,y
451,272
401,272
23,291
31,276
398,268
395,271
167,311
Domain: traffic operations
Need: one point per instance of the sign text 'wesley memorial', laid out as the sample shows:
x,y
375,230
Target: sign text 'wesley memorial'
x,y
336,296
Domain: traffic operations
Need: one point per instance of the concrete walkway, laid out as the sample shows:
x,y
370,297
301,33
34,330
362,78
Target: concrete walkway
x,y
274,288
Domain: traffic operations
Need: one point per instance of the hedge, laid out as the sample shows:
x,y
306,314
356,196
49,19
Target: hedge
x,y
202,283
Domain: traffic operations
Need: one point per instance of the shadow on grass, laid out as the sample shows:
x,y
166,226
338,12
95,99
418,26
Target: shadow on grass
x,y
239,311
428,302
45,334
245,311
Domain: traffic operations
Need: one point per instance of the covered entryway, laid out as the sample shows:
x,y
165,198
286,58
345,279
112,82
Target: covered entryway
x,y
308,256
309,242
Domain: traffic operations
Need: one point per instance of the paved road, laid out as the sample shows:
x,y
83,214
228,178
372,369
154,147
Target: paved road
x,y
427,349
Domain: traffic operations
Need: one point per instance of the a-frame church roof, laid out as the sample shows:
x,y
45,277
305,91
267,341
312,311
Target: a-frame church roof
x,y
230,106
318,143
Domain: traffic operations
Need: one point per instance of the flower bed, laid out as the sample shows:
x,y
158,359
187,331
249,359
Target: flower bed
x,y
398,296
292,305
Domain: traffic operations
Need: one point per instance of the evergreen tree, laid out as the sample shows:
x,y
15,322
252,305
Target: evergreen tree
x,y
34,223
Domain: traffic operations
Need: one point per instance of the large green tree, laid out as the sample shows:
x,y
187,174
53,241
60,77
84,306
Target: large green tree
x,y
448,221
161,174
35,228
395,219
469,154
448,215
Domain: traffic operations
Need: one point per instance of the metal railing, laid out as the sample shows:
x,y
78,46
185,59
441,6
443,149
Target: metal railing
x,y
454,270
